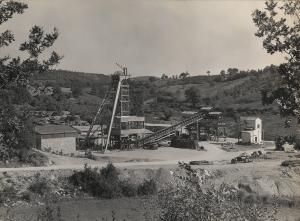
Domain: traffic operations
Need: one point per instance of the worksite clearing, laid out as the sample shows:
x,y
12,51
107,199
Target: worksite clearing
x,y
162,156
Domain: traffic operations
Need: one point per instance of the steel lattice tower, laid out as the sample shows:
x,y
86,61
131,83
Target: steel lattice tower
x,y
124,94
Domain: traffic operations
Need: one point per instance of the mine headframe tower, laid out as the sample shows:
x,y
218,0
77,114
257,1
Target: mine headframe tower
x,y
118,96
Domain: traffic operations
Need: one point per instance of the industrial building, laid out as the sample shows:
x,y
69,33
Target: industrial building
x,y
127,129
56,138
251,130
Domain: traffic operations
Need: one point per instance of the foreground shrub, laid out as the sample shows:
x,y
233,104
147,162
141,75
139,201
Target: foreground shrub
x,y
105,183
33,157
148,187
189,199
40,185
128,189
7,193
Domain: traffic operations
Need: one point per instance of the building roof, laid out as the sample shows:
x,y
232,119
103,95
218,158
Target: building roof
x,y
189,112
66,90
206,108
215,113
157,125
250,118
54,129
247,131
86,128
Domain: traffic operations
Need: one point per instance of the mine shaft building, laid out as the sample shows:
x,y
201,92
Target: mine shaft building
x,y
126,130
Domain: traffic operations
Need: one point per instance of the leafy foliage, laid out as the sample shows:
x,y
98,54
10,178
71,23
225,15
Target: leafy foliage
x,y
15,74
192,95
148,187
192,198
40,185
105,183
279,27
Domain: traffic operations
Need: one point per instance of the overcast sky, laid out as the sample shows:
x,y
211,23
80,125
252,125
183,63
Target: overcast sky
x,y
150,37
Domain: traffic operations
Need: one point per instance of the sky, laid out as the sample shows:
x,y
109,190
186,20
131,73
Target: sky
x,y
149,37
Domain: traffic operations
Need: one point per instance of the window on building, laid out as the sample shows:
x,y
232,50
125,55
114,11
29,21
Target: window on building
x,y
258,126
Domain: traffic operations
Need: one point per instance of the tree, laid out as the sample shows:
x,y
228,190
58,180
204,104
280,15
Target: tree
x,y
15,73
152,79
192,95
184,75
164,76
223,74
279,27
167,113
232,71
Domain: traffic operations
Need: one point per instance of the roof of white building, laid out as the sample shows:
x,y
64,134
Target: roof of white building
x,y
250,118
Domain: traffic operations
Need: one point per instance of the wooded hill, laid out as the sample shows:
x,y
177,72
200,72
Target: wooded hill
x,y
234,92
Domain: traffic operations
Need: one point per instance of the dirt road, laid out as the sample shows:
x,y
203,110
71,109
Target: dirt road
x,y
137,158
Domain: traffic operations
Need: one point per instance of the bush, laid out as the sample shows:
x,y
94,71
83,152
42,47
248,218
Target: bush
x,y
7,193
40,185
33,157
88,154
190,199
105,183
5,154
148,187
128,189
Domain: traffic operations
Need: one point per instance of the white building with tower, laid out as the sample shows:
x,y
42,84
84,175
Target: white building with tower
x,y
251,130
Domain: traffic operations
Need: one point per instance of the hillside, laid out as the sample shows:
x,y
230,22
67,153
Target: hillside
x,y
66,78
164,100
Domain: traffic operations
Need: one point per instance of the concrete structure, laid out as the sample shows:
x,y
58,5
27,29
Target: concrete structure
x,y
57,138
127,129
251,130
66,90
